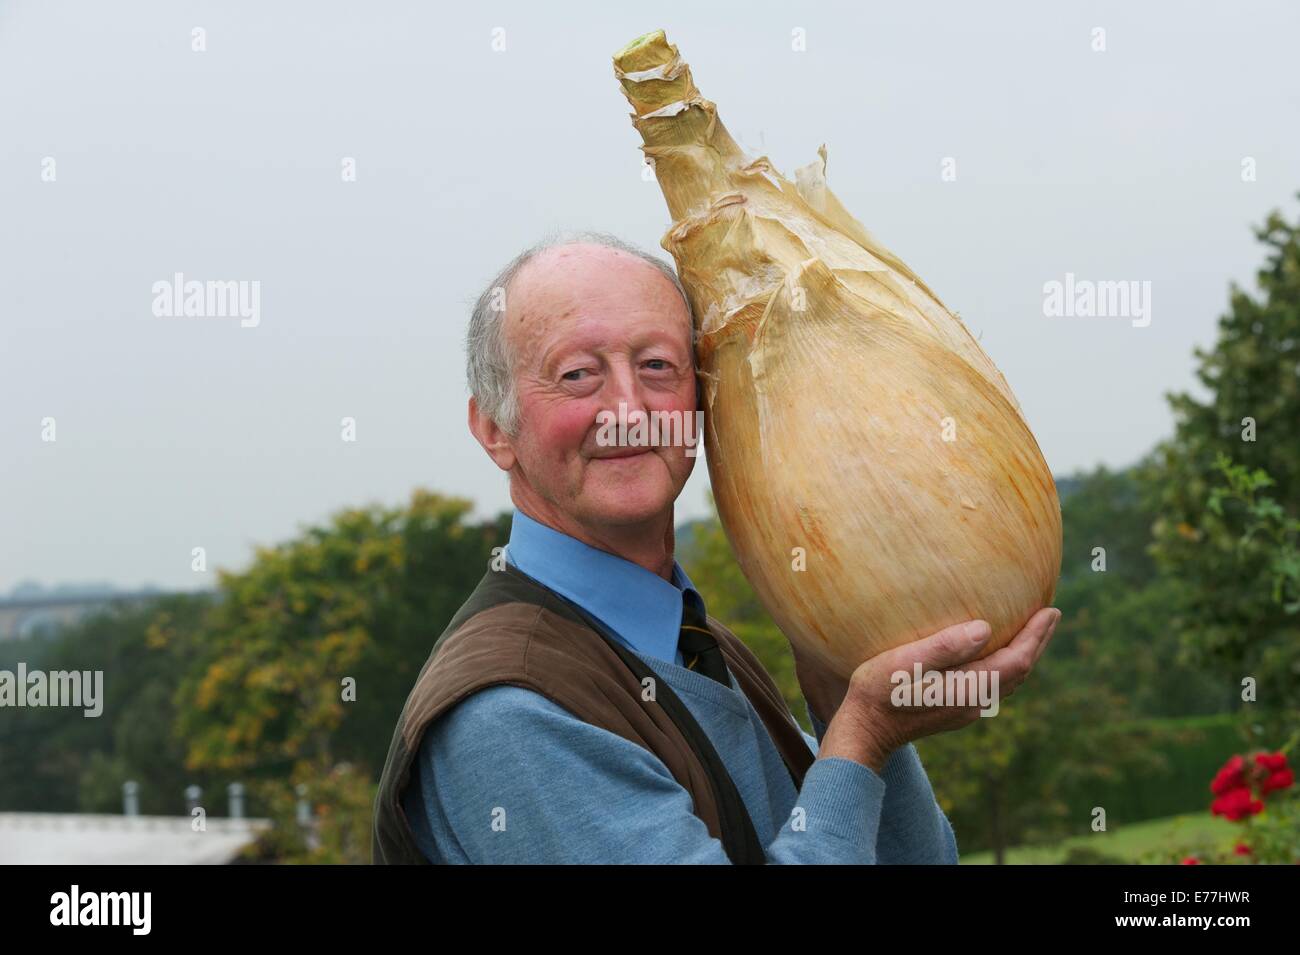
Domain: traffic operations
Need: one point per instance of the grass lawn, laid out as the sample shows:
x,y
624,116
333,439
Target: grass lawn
x,y
1127,843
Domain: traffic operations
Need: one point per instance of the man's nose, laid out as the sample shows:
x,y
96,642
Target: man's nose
x,y
622,385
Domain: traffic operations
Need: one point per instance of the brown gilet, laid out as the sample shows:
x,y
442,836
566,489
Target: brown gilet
x,y
515,631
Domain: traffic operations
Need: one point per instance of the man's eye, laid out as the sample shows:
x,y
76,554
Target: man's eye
x,y
576,371
661,362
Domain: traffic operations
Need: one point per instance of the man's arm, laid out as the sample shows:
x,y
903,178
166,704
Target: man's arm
x,y
507,776
866,724
913,829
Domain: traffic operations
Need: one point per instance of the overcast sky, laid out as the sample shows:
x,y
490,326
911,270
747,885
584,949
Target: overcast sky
x,y
127,156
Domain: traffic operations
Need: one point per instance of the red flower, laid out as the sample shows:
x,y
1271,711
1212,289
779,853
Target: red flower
x,y
1236,804
1190,860
1241,849
1273,762
1282,779
1231,776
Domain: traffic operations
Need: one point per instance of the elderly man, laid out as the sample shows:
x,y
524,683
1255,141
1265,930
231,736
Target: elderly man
x,y
582,706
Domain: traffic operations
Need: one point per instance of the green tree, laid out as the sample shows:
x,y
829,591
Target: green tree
x,y
308,656
58,760
1117,607
1270,532
1230,620
310,652
1023,775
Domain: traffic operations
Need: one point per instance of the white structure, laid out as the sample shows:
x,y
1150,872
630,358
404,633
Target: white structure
x,y
39,838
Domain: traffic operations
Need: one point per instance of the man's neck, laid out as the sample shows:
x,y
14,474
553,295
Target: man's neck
x,y
649,544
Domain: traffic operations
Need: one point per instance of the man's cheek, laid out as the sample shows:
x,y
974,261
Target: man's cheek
x,y
567,431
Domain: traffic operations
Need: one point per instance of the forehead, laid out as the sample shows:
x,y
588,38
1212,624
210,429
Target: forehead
x,y
590,291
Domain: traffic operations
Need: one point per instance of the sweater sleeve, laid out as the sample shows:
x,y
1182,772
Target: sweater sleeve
x,y
913,829
507,776
818,727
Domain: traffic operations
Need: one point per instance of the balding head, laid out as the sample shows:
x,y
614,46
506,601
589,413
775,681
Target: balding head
x,y
489,364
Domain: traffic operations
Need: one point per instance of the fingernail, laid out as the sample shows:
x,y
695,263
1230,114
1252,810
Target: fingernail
x,y
1055,620
978,631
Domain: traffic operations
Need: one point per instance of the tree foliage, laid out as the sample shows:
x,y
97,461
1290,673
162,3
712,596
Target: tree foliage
x,y
350,609
1231,621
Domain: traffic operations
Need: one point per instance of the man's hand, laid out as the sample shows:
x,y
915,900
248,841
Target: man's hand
x,y
866,726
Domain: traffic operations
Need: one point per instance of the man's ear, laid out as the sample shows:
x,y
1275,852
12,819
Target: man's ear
x,y
494,441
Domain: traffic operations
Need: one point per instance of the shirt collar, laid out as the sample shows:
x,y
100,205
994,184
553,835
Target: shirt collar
x,y
643,609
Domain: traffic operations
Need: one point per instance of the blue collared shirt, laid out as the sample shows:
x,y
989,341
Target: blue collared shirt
x,y
640,607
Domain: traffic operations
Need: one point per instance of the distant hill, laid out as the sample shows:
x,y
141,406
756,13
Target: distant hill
x,y
1065,486
35,590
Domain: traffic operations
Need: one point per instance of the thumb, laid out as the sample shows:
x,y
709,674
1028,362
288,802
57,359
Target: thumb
x,y
959,643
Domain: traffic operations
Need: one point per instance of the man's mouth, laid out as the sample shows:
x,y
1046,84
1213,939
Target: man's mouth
x,y
623,453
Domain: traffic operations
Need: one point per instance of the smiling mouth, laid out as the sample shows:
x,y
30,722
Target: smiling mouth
x,y
623,454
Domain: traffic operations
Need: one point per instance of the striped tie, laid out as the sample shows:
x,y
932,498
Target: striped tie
x,y
699,647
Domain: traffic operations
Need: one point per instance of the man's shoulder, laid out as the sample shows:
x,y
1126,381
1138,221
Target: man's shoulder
x,y
515,638
494,718
509,608
518,656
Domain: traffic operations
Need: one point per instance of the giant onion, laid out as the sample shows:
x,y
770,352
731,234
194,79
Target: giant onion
x,y
870,465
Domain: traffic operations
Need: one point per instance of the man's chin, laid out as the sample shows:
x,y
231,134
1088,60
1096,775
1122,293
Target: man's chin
x,y
629,490
630,504
628,516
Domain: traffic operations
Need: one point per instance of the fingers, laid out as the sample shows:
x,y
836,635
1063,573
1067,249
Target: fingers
x,y
1038,629
953,676
961,644
950,646
1051,631
933,656
1014,662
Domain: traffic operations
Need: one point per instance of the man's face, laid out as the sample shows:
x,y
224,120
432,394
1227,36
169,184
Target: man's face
x,y
589,327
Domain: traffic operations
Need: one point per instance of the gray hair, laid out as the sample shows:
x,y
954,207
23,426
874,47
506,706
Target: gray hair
x,y
489,365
